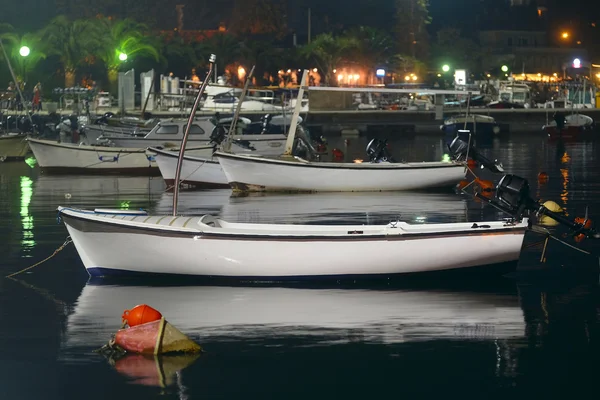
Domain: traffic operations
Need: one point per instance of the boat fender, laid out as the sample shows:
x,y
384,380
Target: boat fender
x,y
496,129
140,314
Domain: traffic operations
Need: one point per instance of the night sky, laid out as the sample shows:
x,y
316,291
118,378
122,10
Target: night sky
x,y
30,14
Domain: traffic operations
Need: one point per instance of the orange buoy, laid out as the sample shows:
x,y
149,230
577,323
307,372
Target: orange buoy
x,y
461,185
543,177
484,185
586,224
471,163
140,314
338,155
156,337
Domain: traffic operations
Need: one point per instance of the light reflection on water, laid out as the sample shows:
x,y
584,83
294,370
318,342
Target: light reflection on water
x,y
26,218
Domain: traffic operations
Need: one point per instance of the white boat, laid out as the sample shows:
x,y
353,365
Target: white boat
x,y
226,99
168,134
54,157
216,313
476,123
256,174
575,125
13,146
116,242
195,171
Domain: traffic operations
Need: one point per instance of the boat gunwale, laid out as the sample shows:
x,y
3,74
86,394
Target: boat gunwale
x,y
346,232
350,166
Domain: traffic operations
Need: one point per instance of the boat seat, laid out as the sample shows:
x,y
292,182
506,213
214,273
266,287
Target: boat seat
x,y
210,221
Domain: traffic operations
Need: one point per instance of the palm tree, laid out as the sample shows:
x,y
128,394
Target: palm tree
x,y
228,50
72,42
374,47
177,56
121,40
328,51
8,37
24,65
264,55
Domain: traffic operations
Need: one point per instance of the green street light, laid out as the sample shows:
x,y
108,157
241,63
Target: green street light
x,y
504,68
445,68
122,56
24,51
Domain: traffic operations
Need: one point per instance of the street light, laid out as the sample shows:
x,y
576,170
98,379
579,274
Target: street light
x,y
122,56
445,68
24,51
565,35
504,68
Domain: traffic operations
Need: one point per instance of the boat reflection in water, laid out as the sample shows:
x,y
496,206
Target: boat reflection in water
x,y
99,191
207,313
325,208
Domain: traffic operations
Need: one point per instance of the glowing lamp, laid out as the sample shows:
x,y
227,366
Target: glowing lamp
x,y
577,63
24,51
380,72
122,56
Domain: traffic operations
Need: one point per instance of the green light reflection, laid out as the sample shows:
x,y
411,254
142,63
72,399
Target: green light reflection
x,y
31,161
26,219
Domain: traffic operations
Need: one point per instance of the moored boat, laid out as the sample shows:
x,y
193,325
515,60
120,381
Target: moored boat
x,y
122,243
67,158
13,146
475,123
575,125
195,171
256,174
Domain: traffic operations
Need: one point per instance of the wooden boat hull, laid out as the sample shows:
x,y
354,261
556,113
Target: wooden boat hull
x,y
60,158
13,147
157,337
125,244
256,174
195,171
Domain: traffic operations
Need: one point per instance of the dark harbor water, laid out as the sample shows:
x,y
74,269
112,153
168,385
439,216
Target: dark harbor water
x,y
497,337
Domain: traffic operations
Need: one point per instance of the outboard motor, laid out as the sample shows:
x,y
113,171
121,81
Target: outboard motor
x,y
266,120
461,150
377,151
218,134
103,120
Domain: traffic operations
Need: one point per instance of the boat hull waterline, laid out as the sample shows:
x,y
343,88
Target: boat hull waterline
x,y
199,172
116,244
256,174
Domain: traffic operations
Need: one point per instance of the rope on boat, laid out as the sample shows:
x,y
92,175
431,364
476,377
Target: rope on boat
x,y
58,250
190,174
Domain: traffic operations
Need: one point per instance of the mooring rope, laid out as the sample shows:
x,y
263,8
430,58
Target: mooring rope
x,y
58,250
183,180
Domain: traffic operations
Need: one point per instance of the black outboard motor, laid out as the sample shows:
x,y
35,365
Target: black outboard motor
x,y
266,120
218,134
103,120
513,198
377,150
461,150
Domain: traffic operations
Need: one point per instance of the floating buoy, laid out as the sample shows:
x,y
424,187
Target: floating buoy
x,y
461,185
483,185
552,206
586,225
140,314
337,154
471,164
543,177
157,337
496,129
